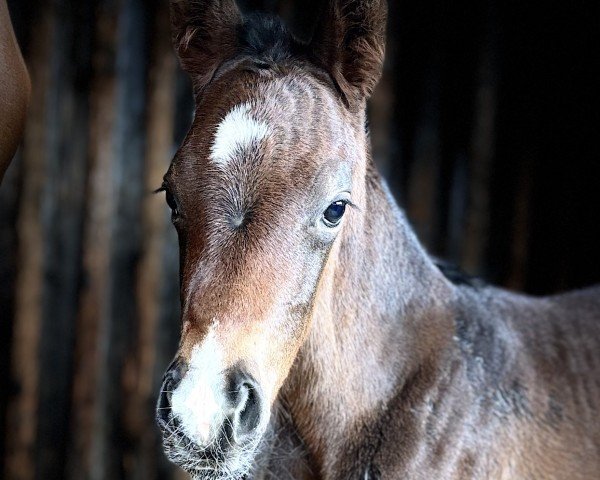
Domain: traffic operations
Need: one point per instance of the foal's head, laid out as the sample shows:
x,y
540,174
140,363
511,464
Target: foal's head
x,y
265,182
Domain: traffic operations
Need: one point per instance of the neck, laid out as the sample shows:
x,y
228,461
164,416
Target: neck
x,y
381,319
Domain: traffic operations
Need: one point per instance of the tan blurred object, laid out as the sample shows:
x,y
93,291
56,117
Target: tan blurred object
x,y
15,89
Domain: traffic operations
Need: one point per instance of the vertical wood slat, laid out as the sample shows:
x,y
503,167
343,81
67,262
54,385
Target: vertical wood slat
x,y
8,267
21,415
88,426
62,215
116,333
477,224
476,233
140,382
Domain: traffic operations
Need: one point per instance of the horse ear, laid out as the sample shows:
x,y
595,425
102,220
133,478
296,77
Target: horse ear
x,y
204,34
350,43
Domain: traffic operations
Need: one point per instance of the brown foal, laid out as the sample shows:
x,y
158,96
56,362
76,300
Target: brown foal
x,y
319,340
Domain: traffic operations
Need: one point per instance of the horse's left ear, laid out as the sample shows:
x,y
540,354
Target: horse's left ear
x,y
350,43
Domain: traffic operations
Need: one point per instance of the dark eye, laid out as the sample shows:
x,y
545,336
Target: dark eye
x,y
172,204
334,213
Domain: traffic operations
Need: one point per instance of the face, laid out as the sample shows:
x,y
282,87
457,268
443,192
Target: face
x,y
261,191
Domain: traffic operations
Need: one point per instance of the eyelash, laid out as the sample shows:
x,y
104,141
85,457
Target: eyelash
x,y
171,201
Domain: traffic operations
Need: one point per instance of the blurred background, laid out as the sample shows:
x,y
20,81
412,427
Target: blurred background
x,y
486,124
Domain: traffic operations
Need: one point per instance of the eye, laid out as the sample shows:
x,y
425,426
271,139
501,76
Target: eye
x,y
172,204
334,213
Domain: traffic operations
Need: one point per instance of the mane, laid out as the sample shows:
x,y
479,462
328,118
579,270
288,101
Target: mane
x,y
456,275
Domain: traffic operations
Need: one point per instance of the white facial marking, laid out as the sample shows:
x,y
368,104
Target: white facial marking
x,y
198,401
237,131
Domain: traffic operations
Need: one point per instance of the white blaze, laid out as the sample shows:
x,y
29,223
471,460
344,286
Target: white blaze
x,y
237,131
198,401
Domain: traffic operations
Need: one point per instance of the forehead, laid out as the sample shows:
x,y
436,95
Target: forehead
x,y
266,121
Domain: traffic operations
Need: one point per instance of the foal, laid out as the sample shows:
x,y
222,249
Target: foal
x,y
319,340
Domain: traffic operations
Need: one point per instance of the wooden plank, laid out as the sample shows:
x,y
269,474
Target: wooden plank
x,y
84,459
9,209
21,415
115,446
63,199
477,225
140,373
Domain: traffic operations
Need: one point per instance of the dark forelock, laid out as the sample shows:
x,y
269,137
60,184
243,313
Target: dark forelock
x,y
265,38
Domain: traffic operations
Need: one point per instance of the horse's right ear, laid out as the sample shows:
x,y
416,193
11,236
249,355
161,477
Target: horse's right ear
x,y
349,42
204,35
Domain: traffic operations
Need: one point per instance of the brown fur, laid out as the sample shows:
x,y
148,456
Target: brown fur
x,y
14,90
384,368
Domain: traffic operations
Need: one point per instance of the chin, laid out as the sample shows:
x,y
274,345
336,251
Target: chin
x,y
222,460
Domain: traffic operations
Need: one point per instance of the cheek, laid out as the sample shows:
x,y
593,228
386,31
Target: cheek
x,y
288,326
306,282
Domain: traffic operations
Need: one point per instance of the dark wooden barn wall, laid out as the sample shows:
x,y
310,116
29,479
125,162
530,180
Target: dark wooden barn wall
x,y
486,125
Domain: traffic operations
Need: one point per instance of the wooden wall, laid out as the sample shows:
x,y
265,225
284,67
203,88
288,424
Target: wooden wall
x,y
485,124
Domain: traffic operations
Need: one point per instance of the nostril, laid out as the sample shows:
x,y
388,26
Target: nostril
x,y
247,415
177,372
171,381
